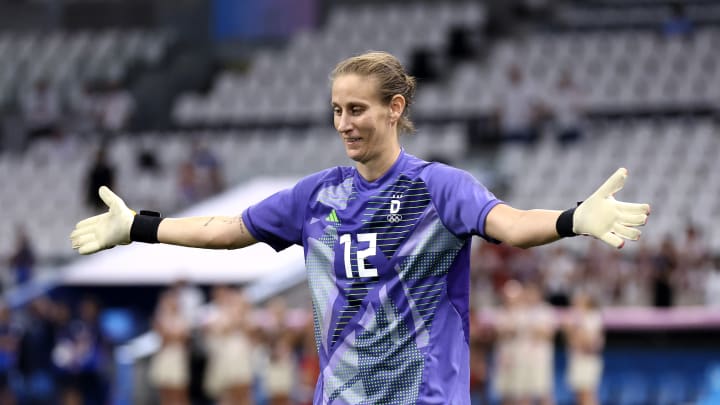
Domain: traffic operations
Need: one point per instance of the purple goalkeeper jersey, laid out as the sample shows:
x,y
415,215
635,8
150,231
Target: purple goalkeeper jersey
x,y
388,270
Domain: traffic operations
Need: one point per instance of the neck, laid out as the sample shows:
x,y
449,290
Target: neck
x,y
375,168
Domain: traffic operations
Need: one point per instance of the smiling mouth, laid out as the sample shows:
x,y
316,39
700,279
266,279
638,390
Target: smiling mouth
x,y
352,140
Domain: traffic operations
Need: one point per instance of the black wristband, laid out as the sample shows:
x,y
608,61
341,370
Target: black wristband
x,y
564,224
145,227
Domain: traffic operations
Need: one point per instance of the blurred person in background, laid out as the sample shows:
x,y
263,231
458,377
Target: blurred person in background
x,y
279,337
101,172
664,271
229,372
187,184
568,110
539,332
22,259
169,371
85,109
508,357
585,337
308,365
41,110
116,105
208,169
280,374
677,23
81,354
519,112
711,268
9,340
558,273
481,338
35,353
357,213
190,298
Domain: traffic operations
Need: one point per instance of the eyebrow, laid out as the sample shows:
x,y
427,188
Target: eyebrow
x,y
350,103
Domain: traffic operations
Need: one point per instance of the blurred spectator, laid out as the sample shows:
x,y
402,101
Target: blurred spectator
x,y
424,66
278,338
22,260
481,337
508,358
308,365
568,110
80,355
523,264
85,109
666,261
41,110
200,176
558,272
280,372
538,347
9,339
190,298
229,372
519,112
187,184
692,250
101,173
712,281
208,169
460,44
116,108
147,160
585,338
169,366
35,352
678,24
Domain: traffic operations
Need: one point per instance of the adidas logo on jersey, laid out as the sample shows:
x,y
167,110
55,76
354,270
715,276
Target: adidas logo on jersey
x,y
332,216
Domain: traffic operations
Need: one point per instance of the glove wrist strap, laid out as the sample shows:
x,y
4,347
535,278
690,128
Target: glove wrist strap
x,y
145,227
564,224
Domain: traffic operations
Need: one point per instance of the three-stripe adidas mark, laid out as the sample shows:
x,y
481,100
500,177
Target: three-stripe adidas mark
x,y
332,216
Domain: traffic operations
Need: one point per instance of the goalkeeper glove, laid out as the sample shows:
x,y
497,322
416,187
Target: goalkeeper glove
x,y
607,219
106,230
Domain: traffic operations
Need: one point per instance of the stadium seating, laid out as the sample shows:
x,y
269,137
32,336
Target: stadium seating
x,y
667,161
68,60
292,84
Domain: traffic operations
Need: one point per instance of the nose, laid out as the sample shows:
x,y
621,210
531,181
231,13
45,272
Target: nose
x,y
343,123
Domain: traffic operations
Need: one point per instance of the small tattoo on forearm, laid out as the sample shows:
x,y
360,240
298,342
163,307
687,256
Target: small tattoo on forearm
x,y
231,221
208,221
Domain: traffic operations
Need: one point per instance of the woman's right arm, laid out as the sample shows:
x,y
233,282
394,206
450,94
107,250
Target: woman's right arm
x,y
212,232
120,226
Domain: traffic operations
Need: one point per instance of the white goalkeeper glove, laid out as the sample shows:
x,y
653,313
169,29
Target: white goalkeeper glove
x,y
607,219
106,230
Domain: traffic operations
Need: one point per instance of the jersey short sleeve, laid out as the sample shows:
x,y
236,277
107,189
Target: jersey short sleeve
x,y
278,220
462,202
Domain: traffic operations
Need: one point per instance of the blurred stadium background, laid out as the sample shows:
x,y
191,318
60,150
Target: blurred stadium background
x,y
197,107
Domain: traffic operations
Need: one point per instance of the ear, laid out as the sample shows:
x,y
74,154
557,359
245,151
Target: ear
x,y
397,107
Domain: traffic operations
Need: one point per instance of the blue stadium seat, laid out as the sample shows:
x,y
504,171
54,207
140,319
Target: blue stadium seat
x,y
672,389
634,389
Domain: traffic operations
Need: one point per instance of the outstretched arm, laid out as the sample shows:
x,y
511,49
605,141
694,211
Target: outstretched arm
x,y
217,232
600,216
121,225
522,228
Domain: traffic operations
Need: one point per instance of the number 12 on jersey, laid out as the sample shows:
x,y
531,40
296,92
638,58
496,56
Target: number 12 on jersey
x,y
363,269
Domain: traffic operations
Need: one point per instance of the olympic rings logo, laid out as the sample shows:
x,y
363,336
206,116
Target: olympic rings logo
x,y
394,218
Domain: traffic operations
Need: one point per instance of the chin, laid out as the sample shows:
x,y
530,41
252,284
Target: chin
x,y
355,155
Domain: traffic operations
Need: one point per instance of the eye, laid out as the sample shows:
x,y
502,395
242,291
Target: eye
x,y
357,110
337,110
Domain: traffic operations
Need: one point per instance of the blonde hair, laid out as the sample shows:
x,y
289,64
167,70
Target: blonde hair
x,y
391,76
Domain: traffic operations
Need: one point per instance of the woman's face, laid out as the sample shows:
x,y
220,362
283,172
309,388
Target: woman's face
x,y
367,126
